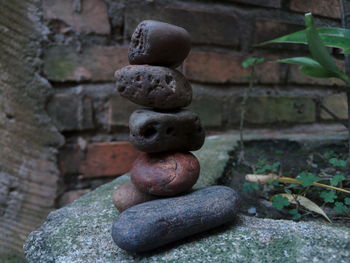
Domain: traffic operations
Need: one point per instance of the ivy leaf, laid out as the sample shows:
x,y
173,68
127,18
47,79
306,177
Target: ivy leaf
x,y
340,208
328,196
337,179
337,162
279,202
295,214
249,187
347,201
307,179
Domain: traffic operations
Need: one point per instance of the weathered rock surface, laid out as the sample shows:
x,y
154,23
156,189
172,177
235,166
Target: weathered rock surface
x,y
165,174
153,224
152,86
153,131
127,195
158,43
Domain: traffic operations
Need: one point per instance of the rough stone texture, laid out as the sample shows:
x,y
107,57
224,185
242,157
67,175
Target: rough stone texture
x,y
71,235
93,63
328,8
70,196
153,224
70,112
152,131
87,222
28,170
165,174
127,195
160,44
336,103
108,159
90,17
153,86
223,67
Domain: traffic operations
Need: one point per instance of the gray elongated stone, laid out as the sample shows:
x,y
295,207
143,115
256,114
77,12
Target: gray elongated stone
x,y
154,131
152,224
153,86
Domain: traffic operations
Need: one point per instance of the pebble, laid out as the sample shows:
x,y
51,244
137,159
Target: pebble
x,y
158,43
165,174
127,195
155,131
152,86
153,224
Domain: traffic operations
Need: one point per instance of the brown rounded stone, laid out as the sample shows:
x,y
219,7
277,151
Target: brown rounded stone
x,y
127,195
160,44
151,86
165,174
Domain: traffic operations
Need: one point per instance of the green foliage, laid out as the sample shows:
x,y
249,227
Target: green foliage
x,y
264,168
307,179
337,179
279,202
321,63
295,214
328,196
252,61
340,208
347,200
250,187
337,162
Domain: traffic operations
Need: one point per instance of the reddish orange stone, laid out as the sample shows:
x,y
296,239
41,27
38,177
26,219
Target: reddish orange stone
x,y
165,174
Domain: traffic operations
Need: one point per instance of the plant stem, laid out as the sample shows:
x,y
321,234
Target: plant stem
x,y
243,109
335,117
346,24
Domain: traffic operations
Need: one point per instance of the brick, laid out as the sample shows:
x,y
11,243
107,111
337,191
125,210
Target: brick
x,y
204,26
221,67
71,112
267,29
209,110
297,77
69,158
267,110
71,196
337,104
266,3
94,63
108,159
327,8
119,111
92,18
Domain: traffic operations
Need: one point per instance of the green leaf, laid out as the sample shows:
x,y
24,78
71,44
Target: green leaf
x,y
328,196
337,162
252,62
338,178
279,202
347,201
316,46
295,214
340,208
309,67
307,179
331,37
249,187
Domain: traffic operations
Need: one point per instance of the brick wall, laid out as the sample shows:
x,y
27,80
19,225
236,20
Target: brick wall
x,y
87,41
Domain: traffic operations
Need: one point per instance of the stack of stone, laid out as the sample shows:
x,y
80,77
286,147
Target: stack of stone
x,y
164,132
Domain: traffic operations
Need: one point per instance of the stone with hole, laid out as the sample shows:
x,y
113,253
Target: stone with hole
x,y
151,86
156,131
165,174
160,44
